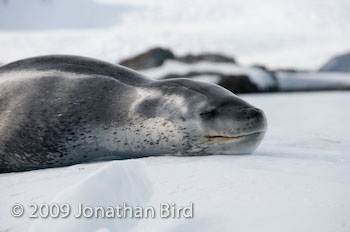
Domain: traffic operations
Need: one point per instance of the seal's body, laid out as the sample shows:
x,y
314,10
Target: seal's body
x,y
62,110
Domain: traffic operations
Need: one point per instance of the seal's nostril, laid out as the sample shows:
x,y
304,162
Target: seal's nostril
x,y
253,113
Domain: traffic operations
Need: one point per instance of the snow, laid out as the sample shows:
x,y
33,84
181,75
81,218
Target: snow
x,y
313,80
297,34
297,180
258,76
115,182
95,184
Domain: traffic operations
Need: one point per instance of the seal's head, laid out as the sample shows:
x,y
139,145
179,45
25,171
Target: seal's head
x,y
213,120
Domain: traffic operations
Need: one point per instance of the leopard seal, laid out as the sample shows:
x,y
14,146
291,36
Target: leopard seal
x,y
60,110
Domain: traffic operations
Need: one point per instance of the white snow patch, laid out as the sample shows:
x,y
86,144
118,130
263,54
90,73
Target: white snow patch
x,y
95,184
115,183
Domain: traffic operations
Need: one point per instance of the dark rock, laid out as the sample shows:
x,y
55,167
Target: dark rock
x,y
211,57
189,75
339,63
263,67
272,71
238,84
291,70
149,59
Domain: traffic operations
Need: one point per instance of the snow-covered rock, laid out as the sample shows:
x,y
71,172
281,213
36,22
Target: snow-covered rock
x,y
296,81
210,57
339,63
148,59
262,79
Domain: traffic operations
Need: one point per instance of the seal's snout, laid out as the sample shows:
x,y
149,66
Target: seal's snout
x,y
234,129
245,114
232,121
255,118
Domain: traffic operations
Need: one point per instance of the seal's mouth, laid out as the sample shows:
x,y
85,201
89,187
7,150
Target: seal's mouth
x,y
224,138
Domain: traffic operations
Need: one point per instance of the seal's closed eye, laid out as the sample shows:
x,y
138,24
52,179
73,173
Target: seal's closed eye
x,y
208,114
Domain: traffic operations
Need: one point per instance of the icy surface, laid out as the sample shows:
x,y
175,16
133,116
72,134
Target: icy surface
x,y
299,33
297,180
117,182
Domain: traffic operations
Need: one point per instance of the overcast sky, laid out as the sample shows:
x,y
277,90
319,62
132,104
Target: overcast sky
x,y
298,33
